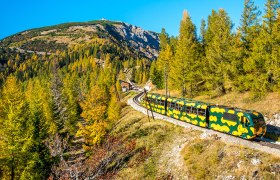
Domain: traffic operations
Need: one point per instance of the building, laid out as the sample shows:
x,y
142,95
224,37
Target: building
x,y
126,86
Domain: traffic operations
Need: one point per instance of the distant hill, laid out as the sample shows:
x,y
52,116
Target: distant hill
x,y
142,43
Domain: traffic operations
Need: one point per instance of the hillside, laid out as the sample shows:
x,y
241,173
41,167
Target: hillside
x,y
142,148
60,37
60,93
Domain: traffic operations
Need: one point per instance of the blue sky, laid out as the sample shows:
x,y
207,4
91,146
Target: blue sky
x,y
19,15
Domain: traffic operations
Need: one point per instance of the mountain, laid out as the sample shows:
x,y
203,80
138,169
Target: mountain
x,y
141,43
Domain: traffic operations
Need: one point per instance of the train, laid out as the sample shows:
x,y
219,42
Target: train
x,y
247,124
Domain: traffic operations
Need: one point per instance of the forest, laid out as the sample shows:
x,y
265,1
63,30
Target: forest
x,y
47,101
222,60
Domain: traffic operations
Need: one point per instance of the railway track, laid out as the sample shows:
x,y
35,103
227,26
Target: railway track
x,y
262,142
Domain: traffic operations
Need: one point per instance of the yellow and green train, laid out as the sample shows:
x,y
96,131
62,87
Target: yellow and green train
x,y
238,122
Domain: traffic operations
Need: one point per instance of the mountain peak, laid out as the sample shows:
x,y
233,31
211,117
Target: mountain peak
x,y
59,37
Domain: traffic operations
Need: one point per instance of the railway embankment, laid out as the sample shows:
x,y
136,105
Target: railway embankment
x,y
177,150
222,136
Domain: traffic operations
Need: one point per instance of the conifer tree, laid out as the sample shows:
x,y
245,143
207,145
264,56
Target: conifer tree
x,y
13,117
271,7
163,39
275,55
59,105
185,57
218,50
260,64
114,107
71,90
249,23
166,56
248,31
94,108
37,154
156,76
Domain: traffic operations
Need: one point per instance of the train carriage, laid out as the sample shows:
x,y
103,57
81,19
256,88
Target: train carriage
x,y
238,122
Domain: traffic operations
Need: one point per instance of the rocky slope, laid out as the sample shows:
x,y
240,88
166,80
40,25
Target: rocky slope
x,y
60,37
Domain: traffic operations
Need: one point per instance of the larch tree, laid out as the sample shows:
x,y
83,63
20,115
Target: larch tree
x,y
182,68
94,107
165,57
114,107
37,153
13,118
269,32
275,55
218,51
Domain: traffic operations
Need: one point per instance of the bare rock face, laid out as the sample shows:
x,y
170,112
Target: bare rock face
x,y
273,123
145,42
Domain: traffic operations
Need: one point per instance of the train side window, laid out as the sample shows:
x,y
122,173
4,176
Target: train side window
x,y
194,110
181,107
245,121
201,112
188,109
231,117
168,104
178,107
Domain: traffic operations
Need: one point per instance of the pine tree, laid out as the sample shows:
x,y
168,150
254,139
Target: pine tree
x,y
249,23
271,7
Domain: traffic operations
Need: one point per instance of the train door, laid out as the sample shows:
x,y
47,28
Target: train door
x,y
244,123
165,107
207,116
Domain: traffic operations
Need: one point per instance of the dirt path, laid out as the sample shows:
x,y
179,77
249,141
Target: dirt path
x,y
171,161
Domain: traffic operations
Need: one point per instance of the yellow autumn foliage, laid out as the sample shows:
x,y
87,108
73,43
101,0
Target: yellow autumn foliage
x,y
94,109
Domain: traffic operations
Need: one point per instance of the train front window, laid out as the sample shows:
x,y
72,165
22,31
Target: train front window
x,y
258,121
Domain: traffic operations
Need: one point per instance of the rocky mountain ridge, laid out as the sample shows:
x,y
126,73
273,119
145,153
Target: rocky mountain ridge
x,y
59,37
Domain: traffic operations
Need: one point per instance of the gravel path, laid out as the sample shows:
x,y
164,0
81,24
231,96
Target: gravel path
x,y
224,137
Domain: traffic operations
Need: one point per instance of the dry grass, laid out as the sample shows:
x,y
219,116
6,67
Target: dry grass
x,y
269,104
212,159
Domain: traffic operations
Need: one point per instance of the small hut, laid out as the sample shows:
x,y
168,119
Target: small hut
x,y
126,86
